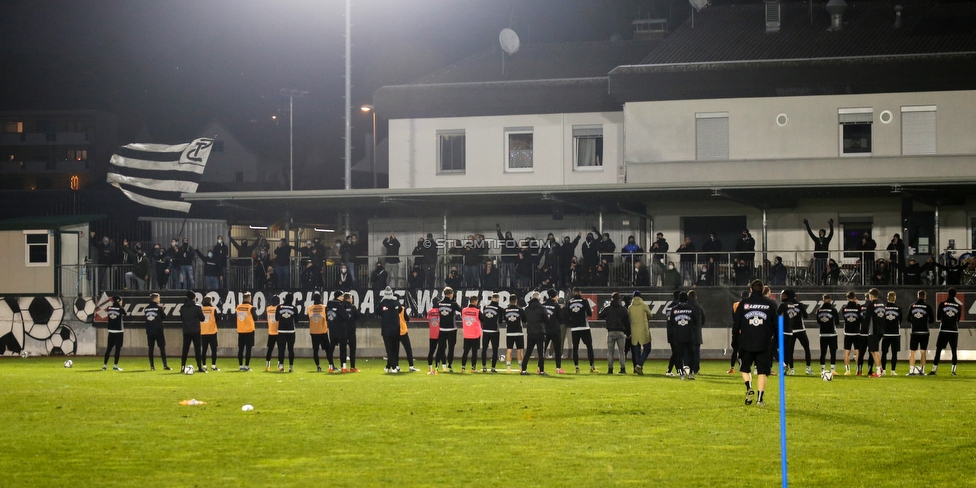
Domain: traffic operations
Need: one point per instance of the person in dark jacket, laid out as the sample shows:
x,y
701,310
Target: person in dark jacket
x,y
821,244
415,280
912,273
659,259
567,251
832,273
337,317
754,325
672,277
777,273
389,309
116,331
536,318
618,324
554,337
191,315
454,279
282,263
713,245
697,324
642,277
591,254
745,247
509,256
211,270
161,265
392,261
379,277
138,278
683,321
490,280
687,253
352,311
287,317
743,272
155,314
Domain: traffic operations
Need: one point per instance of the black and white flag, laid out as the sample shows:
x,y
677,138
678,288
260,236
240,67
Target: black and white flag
x,y
155,174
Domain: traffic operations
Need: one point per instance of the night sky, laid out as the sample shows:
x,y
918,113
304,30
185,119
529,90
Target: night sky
x,y
171,66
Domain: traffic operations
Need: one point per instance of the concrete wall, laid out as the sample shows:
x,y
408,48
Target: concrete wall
x,y
413,151
665,131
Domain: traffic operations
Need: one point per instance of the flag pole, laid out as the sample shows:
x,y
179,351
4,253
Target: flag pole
x,y
782,406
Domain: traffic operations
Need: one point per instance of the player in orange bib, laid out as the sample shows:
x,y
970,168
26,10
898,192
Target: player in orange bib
x,y
318,327
245,317
208,332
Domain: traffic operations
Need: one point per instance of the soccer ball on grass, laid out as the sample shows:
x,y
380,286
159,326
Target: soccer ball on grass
x,y
826,375
188,370
69,363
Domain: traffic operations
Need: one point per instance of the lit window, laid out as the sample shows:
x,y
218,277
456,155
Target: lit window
x,y
518,148
37,249
451,157
588,147
855,130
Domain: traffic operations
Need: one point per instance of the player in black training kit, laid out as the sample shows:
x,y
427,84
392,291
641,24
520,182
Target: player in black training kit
x,y
754,324
829,319
553,331
851,314
536,318
578,312
682,324
793,313
920,315
670,332
872,322
155,314
116,331
286,315
949,313
491,314
891,339
449,310
514,334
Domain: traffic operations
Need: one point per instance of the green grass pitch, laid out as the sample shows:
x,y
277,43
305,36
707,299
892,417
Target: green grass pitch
x,y
85,427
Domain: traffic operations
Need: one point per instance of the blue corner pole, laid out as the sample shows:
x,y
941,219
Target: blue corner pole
x,y
782,405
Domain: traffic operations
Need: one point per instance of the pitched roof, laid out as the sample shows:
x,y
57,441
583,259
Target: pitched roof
x,y
738,32
544,61
539,78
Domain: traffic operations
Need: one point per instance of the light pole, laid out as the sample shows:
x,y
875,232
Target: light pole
x,y
291,93
372,111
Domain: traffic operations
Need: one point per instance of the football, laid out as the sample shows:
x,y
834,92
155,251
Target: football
x,y
68,364
826,375
247,408
24,354
188,370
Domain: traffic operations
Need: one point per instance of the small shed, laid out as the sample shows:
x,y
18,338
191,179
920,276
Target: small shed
x,y
37,251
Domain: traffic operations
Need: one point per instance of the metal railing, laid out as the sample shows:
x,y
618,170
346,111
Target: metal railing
x,y
796,268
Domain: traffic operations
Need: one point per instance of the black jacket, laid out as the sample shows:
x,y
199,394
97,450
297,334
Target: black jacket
x,y
536,318
392,246
755,323
389,310
617,317
191,315
338,317
155,314
555,313
683,321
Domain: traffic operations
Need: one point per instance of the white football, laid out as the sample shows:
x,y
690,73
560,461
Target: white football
x,y
501,357
247,408
68,364
188,370
24,354
826,375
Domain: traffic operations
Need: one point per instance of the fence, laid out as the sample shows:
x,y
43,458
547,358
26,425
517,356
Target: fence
x,y
796,268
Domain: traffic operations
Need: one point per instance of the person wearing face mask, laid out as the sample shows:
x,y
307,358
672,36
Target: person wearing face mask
x,y
282,263
161,264
821,244
173,251
220,254
106,257
777,272
567,251
509,256
746,247
658,260
211,270
714,246
591,254
344,279
632,252
706,274
379,277
244,250
139,276
688,258
672,278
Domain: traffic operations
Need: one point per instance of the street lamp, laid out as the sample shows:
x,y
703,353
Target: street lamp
x,y
291,93
372,111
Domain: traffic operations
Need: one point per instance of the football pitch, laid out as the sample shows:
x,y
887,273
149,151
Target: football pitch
x,y
85,427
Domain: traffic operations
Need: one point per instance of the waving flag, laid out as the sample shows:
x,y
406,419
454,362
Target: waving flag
x,y
155,174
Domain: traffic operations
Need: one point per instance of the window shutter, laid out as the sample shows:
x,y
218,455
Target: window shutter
x,y
712,137
918,132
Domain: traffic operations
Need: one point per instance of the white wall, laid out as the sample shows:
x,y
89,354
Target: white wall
x,y
18,278
413,151
665,131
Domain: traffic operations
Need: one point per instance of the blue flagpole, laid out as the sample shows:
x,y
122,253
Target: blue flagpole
x,y
782,406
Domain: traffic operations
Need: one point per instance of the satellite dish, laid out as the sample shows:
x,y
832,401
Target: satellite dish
x,y
509,41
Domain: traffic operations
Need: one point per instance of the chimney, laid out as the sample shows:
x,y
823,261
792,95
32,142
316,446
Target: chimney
x,y
836,9
772,16
898,9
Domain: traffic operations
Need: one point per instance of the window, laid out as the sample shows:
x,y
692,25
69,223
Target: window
x,y
518,147
37,248
918,130
855,130
10,127
855,226
712,135
76,154
588,147
450,151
